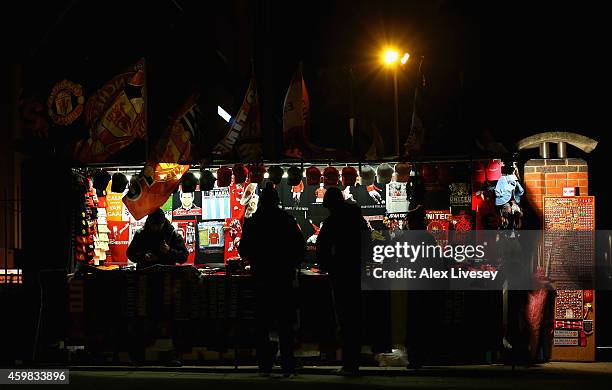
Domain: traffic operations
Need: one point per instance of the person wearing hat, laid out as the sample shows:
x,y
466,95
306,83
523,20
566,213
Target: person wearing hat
x,y
157,243
273,246
339,252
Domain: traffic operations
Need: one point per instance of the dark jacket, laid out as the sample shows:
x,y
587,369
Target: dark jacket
x,y
272,243
146,241
339,241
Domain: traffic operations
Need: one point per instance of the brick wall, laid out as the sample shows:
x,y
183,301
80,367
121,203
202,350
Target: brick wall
x,y
548,177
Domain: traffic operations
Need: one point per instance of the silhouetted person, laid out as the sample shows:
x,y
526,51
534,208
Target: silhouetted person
x,y
157,243
274,247
339,252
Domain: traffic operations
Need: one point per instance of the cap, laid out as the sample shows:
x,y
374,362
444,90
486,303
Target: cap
x,y
367,175
189,182
224,176
101,179
275,174
240,173
119,182
402,172
331,176
313,176
294,176
256,173
494,170
207,180
349,176
384,173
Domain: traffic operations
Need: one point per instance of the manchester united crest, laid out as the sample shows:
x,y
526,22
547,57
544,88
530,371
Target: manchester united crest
x,y
65,103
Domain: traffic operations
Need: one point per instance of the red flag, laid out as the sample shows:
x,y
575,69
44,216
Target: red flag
x,y
115,116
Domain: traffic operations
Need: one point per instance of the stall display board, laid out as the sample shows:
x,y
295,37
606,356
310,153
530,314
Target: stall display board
x,y
569,255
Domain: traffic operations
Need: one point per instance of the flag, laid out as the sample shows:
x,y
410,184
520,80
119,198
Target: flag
x,y
179,141
115,115
296,115
248,121
150,189
416,137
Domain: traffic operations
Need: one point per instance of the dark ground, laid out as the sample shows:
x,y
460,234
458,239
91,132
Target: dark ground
x,y
546,376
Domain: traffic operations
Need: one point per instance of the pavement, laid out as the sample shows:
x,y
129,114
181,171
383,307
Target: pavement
x,y
575,376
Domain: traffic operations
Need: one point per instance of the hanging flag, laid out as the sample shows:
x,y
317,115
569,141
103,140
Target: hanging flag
x,y
248,146
115,115
247,120
178,143
416,137
296,114
150,189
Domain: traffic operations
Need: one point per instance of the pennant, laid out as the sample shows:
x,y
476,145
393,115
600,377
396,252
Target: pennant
x,y
247,120
150,189
115,115
414,142
296,114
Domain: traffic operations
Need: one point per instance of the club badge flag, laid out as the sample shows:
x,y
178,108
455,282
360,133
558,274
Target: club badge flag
x,y
152,187
211,235
247,118
296,113
187,230
216,204
115,116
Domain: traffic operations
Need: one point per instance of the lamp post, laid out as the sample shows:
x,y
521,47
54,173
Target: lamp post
x,y
391,58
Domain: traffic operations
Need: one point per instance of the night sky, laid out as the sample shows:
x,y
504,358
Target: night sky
x,y
516,68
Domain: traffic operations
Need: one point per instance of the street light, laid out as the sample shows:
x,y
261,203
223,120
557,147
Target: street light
x,y
391,58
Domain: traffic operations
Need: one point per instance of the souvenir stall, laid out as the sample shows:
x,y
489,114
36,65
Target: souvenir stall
x,y
204,309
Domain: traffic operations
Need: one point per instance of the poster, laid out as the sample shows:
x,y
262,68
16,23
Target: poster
x,y
397,197
233,233
187,204
216,204
210,234
187,230
167,208
118,241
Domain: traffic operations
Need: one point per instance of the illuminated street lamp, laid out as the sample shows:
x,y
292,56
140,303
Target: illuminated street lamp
x,y
391,58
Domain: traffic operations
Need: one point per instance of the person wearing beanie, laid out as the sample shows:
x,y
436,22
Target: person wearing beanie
x,y
339,252
274,264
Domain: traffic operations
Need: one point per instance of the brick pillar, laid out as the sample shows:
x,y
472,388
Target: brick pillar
x,y
549,176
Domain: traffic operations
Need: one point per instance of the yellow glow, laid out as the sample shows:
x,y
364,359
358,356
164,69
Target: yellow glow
x,y
390,56
405,58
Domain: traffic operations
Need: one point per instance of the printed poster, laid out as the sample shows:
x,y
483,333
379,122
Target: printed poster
x,y
397,197
187,204
211,235
187,230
